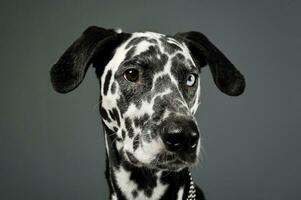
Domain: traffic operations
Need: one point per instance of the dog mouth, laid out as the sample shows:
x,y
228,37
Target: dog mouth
x,y
173,161
153,154
164,161
172,165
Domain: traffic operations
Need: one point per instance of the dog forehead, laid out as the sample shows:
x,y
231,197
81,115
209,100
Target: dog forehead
x,y
156,45
148,34
142,41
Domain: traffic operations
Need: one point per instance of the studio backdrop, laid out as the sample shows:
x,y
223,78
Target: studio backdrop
x,y
52,145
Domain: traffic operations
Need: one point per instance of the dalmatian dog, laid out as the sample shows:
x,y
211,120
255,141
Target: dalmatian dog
x,y
149,93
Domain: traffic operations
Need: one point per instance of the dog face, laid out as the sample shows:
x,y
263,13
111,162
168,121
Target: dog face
x,y
150,90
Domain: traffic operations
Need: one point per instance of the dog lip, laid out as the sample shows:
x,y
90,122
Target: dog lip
x,y
174,165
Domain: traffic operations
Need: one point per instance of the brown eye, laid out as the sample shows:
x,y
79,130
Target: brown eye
x,y
191,79
131,75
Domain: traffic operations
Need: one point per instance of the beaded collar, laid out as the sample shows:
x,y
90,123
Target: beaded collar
x,y
191,193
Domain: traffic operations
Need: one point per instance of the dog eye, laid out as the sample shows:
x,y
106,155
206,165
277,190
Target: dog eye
x,y
131,75
191,79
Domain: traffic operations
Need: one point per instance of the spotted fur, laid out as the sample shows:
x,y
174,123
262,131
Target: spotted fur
x,y
138,116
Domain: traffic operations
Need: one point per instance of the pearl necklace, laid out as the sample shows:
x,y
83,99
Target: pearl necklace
x,y
191,193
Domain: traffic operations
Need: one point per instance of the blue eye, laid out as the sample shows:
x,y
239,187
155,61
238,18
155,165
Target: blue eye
x,y
191,79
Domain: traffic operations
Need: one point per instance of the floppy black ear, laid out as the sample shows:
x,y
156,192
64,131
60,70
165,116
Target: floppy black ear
x,y
94,44
227,78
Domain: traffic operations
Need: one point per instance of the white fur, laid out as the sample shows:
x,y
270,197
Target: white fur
x,y
148,151
180,193
114,197
143,46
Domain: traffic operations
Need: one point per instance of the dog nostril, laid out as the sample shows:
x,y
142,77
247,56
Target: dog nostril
x,y
193,141
173,142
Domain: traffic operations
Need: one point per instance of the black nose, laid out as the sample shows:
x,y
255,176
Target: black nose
x,y
180,136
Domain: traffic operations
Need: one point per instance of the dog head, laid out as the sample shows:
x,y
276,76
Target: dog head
x,y
150,90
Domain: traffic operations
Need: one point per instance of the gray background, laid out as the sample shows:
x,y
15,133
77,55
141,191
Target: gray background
x,y
51,145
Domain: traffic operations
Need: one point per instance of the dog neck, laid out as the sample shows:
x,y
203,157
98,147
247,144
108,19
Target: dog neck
x,y
127,181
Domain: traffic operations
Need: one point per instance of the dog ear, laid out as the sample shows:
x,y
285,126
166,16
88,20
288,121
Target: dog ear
x,y
95,44
226,77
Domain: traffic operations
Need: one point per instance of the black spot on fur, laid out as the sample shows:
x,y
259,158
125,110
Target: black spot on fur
x,y
146,179
128,125
139,122
175,180
107,82
113,88
115,128
138,103
157,116
104,114
136,142
148,192
134,193
161,83
116,115
132,158
123,133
